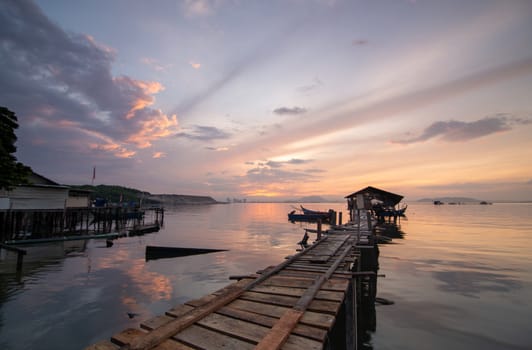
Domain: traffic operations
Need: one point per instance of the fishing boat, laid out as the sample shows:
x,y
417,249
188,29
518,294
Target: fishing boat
x,y
313,212
381,211
310,215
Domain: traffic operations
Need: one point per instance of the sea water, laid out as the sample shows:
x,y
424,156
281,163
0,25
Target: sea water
x,y
459,276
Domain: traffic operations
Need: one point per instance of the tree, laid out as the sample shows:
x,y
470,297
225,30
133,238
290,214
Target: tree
x,y
12,173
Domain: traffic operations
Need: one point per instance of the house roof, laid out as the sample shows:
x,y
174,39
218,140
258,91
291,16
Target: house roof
x,y
37,179
370,192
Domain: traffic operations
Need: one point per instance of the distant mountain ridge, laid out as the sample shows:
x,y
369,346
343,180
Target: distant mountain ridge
x,y
116,194
450,199
180,199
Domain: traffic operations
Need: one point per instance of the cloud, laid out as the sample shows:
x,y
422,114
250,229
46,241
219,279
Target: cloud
x,y
267,175
195,65
287,110
217,149
155,64
157,155
316,83
348,113
359,42
62,81
198,8
315,171
204,133
459,131
278,164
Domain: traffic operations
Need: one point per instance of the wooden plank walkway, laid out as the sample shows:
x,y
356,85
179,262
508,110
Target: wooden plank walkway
x,y
297,304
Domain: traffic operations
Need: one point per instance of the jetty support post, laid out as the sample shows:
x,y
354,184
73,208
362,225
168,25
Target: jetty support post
x,y
20,254
340,218
319,229
351,340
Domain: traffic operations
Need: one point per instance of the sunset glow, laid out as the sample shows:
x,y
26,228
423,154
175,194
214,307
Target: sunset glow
x,y
275,100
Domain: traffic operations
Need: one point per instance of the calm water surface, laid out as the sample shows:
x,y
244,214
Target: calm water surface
x,y
460,276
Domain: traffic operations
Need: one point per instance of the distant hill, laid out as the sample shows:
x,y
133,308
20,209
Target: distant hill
x,y
180,199
115,194
450,199
312,199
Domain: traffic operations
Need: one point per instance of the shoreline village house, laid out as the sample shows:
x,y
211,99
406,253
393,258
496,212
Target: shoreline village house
x,y
40,209
368,197
42,193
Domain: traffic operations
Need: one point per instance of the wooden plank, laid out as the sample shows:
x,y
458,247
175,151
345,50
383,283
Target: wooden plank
x,y
179,310
330,307
279,333
156,322
127,335
203,338
299,272
233,327
320,320
299,343
297,292
333,284
202,301
306,331
296,282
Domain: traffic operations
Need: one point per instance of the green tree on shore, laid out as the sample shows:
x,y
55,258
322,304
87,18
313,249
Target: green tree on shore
x,y
12,173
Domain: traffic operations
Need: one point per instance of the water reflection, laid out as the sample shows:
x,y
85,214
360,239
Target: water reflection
x,y
454,271
389,230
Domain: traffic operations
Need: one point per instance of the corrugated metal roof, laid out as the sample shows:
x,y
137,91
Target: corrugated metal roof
x,y
370,192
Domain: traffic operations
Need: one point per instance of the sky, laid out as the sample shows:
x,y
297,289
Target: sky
x,y
270,100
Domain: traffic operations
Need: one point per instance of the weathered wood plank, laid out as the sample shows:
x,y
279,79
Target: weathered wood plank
x,y
300,343
304,281
320,320
279,333
203,338
297,292
233,327
127,335
330,307
201,301
156,322
314,333
179,310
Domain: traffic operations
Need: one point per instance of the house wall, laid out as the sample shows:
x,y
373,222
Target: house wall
x,y
4,203
31,197
77,202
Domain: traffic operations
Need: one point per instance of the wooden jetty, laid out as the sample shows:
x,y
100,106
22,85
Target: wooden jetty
x,y
18,225
309,301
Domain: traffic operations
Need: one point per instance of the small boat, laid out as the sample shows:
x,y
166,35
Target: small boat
x,y
389,212
311,217
313,212
159,252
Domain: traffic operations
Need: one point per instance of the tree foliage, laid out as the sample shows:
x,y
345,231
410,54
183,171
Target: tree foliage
x,y
113,193
12,173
